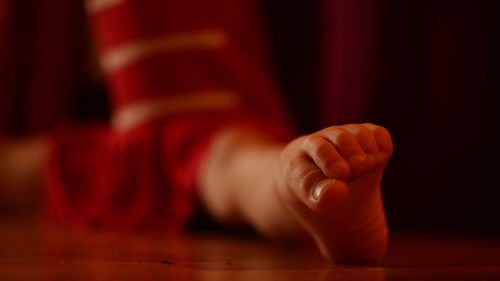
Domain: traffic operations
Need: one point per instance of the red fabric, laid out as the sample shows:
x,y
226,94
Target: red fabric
x,y
142,179
241,65
145,177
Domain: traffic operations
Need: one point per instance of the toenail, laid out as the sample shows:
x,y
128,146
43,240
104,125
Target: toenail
x,y
321,188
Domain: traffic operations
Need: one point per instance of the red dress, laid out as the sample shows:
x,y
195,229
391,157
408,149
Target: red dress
x,y
202,65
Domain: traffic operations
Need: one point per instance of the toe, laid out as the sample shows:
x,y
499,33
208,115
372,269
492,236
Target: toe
x,y
329,195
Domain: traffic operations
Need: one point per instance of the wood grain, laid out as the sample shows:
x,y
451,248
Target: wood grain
x,y
29,251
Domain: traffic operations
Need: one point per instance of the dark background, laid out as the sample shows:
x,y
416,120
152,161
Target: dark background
x,y
435,87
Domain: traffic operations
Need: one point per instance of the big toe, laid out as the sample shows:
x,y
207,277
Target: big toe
x,y
329,195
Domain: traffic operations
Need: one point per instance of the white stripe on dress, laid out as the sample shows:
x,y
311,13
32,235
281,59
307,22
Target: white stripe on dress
x,y
132,52
137,113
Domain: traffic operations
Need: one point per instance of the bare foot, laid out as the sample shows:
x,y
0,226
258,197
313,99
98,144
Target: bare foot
x,y
330,181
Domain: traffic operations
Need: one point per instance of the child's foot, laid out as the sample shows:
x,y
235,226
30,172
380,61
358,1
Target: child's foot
x,y
330,181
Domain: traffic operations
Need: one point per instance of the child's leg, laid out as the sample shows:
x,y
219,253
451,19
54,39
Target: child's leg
x,y
21,163
326,185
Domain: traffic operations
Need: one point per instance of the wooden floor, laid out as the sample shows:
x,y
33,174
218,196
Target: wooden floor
x,y
30,252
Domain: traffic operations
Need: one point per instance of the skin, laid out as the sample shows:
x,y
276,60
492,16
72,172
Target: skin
x,y
21,173
324,186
